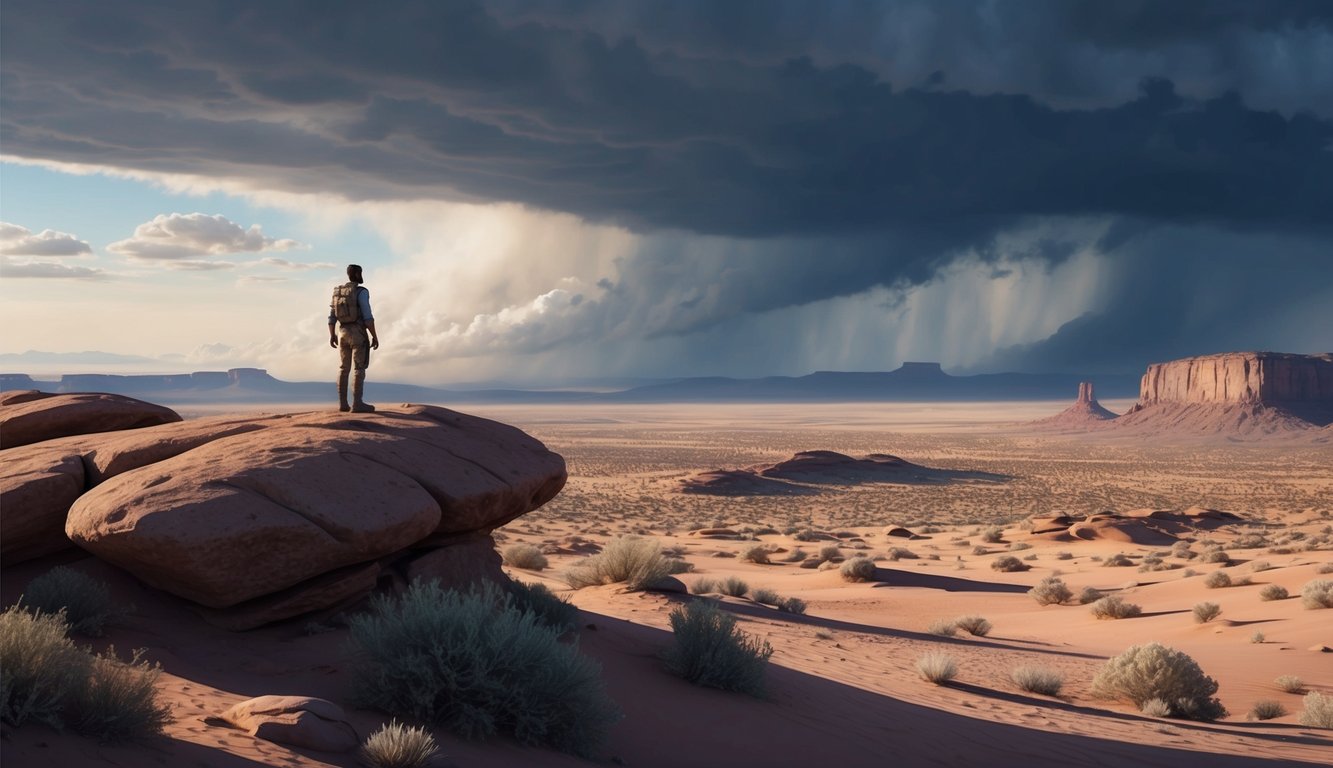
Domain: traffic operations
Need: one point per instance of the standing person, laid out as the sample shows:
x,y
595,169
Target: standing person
x,y
350,309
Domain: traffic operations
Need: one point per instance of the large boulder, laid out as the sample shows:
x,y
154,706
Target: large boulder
x,y
28,416
37,488
260,512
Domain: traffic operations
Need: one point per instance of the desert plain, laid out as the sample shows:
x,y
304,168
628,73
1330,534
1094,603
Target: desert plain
x,y
842,687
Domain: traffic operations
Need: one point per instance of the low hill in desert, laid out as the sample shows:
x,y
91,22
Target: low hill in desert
x,y
807,471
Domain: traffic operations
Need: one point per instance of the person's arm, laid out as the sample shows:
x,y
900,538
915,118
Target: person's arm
x,y
333,335
368,317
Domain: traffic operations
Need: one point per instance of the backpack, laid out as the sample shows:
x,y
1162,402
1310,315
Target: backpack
x,y
346,310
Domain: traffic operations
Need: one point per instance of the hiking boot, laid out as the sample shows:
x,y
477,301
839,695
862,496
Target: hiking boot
x,y
362,407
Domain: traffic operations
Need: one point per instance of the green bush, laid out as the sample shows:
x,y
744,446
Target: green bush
x,y
398,746
550,609
1043,680
629,559
47,679
858,569
1317,594
474,663
1318,712
1154,671
1113,607
85,600
42,670
1051,591
710,651
525,556
119,703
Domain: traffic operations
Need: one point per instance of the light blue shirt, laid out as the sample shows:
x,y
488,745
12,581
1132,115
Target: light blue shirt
x,y
362,303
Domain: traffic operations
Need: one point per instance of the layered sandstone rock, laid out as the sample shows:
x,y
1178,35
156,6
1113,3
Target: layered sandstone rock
x,y
1240,377
28,416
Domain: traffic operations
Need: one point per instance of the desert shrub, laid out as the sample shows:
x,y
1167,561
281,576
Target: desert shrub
x,y
1154,671
943,628
475,664
858,569
938,668
1257,637
993,534
806,535
704,586
710,651
1273,592
398,746
636,562
980,550
118,702
756,554
1051,591
1118,560
1290,683
1089,595
1064,556
830,552
1008,564
1325,568
1318,712
42,670
1113,607
525,556
766,597
1215,556
733,587
1019,546
792,605
1267,709
1260,565
1043,680
1206,612
796,556
973,625
1217,579
1155,708
85,600
1317,594
550,609
676,565
1181,549
901,553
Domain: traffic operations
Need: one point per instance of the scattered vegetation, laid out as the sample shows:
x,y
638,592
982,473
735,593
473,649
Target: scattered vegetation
x,y
1273,592
49,680
1290,683
710,651
1154,671
943,628
858,569
733,587
398,746
1113,607
993,535
704,587
1318,712
477,665
1008,564
973,625
1267,709
1217,579
1215,556
525,556
1043,680
85,600
759,553
1089,595
938,668
1118,560
1155,708
629,559
1206,612
1051,591
794,605
765,597
550,609
1317,594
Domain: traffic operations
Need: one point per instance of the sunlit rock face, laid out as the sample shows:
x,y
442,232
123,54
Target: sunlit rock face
x,y
1240,377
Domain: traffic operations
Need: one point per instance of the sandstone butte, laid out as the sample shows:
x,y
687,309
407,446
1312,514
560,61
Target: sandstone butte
x,y
1085,413
264,518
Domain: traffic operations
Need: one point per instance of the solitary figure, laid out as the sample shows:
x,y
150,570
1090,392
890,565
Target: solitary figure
x,y
350,309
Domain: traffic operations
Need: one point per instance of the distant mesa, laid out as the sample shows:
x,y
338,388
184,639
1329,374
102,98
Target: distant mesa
x,y
810,472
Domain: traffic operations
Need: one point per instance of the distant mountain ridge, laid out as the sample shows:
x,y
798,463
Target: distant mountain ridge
x,y
912,382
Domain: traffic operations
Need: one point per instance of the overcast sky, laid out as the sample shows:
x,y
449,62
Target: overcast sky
x,y
575,189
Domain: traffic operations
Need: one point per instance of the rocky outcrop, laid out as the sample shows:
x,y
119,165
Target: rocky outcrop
x,y
1085,413
1240,377
28,416
298,721
807,471
265,518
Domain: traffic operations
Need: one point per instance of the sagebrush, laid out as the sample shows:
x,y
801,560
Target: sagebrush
x,y
629,559
709,650
1154,671
85,601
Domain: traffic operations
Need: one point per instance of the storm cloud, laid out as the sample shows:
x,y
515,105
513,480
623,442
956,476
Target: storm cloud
x,y
769,155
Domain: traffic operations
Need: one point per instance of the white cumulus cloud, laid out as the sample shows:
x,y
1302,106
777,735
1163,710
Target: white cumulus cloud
x,y
17,240
187,240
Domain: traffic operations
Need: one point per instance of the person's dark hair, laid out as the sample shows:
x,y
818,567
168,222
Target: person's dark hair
x,y
354,273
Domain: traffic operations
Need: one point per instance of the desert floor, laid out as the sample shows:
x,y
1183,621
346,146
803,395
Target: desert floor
x,y
843,689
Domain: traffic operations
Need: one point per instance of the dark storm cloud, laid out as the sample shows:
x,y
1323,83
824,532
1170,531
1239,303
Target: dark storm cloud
x,y
841,145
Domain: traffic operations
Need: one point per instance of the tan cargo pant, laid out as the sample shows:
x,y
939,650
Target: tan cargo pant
x,y
353,350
